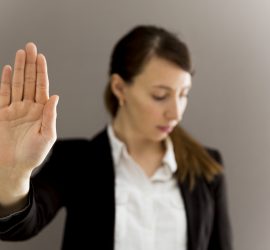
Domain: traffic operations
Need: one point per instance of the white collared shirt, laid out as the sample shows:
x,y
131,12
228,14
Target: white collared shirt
x,y
150,213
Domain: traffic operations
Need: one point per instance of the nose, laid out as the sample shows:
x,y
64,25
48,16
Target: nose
x,y
175,109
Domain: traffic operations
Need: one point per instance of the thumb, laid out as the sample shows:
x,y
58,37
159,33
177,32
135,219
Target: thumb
x,y
48,126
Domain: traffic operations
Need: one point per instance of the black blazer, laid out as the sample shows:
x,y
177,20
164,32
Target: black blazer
x,y
70,178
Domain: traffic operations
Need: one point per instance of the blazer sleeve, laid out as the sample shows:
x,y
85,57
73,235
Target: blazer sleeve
x,y
44,201
221,235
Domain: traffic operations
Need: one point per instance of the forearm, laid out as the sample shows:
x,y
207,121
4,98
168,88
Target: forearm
x,y
40,208
6,210
20,224
13,194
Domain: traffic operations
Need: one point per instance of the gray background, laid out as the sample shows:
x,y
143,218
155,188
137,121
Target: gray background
x,y
229,105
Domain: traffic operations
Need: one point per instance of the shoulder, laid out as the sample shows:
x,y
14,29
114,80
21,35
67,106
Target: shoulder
x,y
215,154
79,144
69,144
218,182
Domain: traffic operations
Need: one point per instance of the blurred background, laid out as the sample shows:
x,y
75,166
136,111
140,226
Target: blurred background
x,y
229,105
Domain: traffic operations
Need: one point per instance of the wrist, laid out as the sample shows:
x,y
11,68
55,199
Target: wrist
x,y
14,189
13,207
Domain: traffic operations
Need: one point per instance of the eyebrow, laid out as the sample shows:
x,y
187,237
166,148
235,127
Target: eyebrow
x,y
169,88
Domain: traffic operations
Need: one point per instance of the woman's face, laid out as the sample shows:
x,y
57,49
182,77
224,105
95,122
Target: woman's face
x,y
156,100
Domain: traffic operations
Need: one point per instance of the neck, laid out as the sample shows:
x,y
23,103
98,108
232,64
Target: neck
x,y
135,142
148,154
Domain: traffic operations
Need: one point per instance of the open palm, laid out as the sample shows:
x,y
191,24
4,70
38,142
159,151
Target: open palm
x,y
27,113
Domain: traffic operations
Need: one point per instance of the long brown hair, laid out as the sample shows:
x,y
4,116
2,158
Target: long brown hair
x,y
128,59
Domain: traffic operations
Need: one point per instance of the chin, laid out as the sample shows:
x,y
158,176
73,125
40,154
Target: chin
x,y
156,136
161,137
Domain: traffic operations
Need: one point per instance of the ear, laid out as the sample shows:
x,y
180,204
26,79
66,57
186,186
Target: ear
x,y
118,86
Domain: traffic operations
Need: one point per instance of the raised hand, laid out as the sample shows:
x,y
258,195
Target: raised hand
x,y
27,120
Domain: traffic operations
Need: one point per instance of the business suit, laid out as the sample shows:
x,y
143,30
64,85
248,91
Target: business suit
x,y
64,181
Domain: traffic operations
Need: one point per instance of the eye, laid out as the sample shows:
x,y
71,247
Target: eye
x,y
159,98
184,96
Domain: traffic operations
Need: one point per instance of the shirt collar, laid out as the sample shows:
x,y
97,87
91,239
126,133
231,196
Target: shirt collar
x,y
169,157
118,146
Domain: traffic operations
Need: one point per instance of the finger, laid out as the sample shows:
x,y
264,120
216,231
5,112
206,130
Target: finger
x,y
30,72
5,87
42,87
48,126
18,76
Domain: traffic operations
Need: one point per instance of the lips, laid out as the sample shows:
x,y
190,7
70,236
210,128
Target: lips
x,y
166,129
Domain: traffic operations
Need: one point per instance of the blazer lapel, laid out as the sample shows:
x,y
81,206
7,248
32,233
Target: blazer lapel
x,y
102,151
199,211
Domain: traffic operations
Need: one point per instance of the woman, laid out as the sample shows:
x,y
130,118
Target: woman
x,y
141,183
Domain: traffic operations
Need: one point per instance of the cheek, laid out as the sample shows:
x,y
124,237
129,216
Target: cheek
x,y
183,106
153,111
148,110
